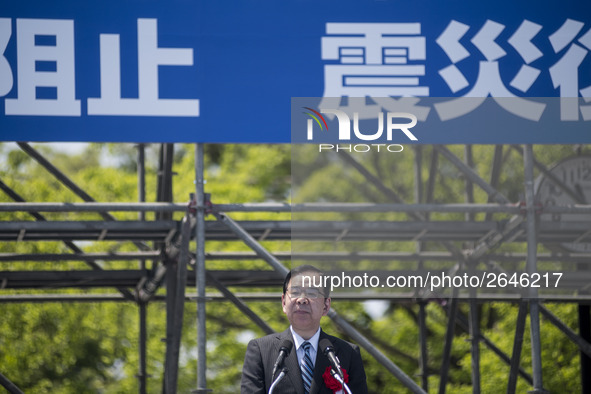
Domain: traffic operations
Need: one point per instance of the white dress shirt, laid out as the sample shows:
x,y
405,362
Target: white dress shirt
x,y
298,341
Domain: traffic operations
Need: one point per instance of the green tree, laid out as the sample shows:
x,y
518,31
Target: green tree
x,y
93,348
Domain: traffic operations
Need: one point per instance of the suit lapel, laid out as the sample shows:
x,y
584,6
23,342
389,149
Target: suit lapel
x,y
319,367
291,363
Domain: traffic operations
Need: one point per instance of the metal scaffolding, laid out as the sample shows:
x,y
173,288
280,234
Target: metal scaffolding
x,y
177,267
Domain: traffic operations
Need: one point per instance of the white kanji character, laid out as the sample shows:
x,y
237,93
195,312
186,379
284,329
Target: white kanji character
x,y
6,79
565,72
150,57
489,80
373,61
45,56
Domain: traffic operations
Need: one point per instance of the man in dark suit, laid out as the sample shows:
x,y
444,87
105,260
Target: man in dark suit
x,y
304,302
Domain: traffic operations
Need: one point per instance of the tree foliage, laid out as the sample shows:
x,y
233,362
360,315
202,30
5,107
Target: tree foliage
x,y
93,347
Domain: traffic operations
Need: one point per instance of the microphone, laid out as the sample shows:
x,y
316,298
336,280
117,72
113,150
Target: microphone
x,y
328,351
340,380
276,382
284,350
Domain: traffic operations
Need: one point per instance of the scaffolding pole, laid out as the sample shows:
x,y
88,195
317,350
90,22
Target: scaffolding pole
x,y
9,386
422,317
200,270
584,346
449,336
473,326
175,296
472,175
532,244
517,345
423,359
463,322
241,305
142,306
551,176
495,173
474,331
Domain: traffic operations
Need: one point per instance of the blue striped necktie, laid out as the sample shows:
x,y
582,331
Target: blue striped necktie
x,y
307,367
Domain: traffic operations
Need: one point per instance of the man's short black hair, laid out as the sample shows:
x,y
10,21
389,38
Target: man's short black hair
x,y
303,269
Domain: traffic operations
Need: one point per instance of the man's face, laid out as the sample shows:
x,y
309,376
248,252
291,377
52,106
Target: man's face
x,y
304,313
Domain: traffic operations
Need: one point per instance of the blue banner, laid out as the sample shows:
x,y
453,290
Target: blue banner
x,y
226,70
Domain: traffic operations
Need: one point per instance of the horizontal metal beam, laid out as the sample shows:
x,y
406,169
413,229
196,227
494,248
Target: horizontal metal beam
x,y
568,283
87,230
70,245
442,208
582,258
44,279
123,256
132,225
395,256
92,207
550,232
283,207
